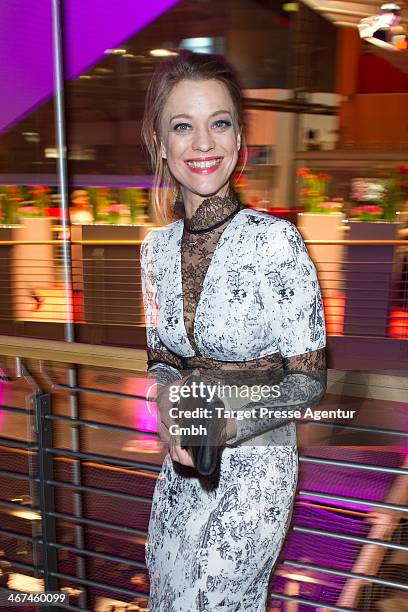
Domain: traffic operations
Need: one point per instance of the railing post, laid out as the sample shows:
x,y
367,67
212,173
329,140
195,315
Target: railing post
x,y
42,406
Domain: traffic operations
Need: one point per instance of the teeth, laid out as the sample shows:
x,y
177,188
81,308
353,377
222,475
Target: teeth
x,y
207,164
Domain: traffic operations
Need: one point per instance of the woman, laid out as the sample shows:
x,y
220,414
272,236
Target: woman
x,y
225,287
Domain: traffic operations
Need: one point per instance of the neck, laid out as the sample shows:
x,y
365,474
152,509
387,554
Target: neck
x,y
212,212
193,201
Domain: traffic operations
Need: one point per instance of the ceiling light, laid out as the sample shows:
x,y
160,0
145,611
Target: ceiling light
x,y
29,515
31,136
115,51
290,7
162,52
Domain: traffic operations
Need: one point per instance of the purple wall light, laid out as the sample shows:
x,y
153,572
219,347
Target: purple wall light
x,y
90,27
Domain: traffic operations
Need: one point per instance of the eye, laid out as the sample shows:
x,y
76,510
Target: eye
x,y
222,123
180,127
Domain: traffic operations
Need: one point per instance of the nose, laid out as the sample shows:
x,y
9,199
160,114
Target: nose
x,y
203,140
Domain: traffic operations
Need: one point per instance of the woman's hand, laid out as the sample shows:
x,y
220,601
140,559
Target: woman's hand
x,y
230,430
164,406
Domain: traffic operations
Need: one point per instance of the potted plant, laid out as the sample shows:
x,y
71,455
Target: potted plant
x,y
322,220
10,196
115,212
379,199
135,201
372,266
94,202
100,199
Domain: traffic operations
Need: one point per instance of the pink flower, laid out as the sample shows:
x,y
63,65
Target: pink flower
x,y
330,205
27,209
368,209
116,208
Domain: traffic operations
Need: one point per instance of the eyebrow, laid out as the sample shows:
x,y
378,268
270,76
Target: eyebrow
x,y
219,112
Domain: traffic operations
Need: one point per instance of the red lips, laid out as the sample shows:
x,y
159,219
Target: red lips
x,y
204,171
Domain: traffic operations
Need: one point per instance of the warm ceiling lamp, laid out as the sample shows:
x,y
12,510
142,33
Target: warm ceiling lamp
x,y
162,52
115,51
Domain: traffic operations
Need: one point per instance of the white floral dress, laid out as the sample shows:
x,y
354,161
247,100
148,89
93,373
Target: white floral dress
x,y
229,286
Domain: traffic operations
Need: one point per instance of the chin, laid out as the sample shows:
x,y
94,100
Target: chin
x,y
205,193
207,189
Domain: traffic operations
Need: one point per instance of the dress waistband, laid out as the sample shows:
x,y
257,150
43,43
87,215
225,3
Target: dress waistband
x,y
262,370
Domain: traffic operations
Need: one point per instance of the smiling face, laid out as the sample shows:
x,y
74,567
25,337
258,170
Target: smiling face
x,y
200,138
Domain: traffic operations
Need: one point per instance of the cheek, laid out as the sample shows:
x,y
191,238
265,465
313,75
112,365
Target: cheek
x,y
231,146
233,154
175,151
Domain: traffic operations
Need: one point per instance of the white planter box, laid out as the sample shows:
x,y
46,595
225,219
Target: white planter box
x,y
33,264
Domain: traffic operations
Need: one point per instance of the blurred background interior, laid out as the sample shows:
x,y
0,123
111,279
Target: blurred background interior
x,y
326,96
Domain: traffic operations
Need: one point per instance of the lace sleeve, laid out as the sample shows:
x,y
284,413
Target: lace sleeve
x,y
294,318
301,385
163,365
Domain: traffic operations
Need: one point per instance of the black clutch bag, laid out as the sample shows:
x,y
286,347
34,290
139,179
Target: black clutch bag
x,y
202,433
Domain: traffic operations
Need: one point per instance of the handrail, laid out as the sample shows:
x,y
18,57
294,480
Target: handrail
x,y
135,360
137,242
56,242
80,353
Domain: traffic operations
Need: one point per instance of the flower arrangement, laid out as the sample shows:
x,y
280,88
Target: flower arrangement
x,y
94,201
394,194
115,211
40,199
101,199
29,210
329,207
10,196
135,201
313,193
383,196
367,212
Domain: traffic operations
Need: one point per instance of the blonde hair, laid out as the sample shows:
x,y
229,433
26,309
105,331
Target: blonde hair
x,y
186,65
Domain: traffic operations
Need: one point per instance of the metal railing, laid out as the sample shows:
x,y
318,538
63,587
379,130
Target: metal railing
x,y
364,285
78,464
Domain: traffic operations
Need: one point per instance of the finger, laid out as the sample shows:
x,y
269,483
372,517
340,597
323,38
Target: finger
x,y
179,454
182,456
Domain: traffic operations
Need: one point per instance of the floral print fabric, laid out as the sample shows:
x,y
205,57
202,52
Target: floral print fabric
x,y
212,551
244,294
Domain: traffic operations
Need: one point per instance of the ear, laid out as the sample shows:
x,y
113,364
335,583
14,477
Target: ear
x,y
239,139
163,151
162,148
